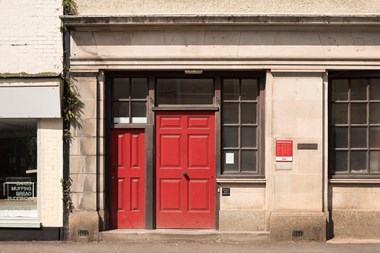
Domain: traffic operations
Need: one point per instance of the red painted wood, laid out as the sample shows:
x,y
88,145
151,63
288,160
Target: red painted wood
x,y
127,178
185,143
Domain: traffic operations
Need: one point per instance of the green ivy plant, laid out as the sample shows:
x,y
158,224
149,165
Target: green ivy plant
x,y
70,104
69,7
66,185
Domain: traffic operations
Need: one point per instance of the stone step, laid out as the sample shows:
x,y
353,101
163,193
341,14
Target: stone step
x,y
183,235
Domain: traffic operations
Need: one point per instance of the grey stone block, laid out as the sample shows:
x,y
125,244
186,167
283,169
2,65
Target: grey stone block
x,y
81,223
242,220
312,224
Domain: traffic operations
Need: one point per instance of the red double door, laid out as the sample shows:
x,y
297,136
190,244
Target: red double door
x,y
185,172
185,184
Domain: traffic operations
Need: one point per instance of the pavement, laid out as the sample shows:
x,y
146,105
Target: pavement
x,y
335,246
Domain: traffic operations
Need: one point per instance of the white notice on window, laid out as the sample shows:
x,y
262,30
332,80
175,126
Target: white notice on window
x,y
230,158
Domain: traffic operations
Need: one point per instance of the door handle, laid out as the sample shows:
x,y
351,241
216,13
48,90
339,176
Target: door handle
x,y
184,173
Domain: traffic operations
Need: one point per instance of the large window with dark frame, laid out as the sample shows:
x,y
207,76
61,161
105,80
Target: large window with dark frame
x,y
240,126
129,99
355,126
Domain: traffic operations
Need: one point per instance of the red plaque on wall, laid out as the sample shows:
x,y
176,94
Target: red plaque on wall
x,y
284,151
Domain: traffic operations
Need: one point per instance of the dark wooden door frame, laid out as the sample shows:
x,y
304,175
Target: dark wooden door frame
x,y
150,132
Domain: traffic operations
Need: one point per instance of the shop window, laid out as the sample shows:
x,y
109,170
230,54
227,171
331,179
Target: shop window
x,y
240,126
185,91
18,168
355,126
129,97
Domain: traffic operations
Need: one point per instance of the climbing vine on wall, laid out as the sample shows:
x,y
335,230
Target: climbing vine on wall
x,y
66,186
69,7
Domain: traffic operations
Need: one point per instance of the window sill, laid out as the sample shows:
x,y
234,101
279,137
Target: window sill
x,y
355,181
241,180
19,223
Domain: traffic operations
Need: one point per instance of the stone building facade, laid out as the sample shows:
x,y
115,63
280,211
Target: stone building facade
x,y
260,116
31,147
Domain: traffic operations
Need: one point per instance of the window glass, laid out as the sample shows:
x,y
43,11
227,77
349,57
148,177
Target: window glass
x,y
249,89
138,112
248,160
139,87
340,113
339,90
359,89
357,115
374,113
18,168
129,100
240,125
340,137
185,91
231,113
231,89
374,89
355,126
120,88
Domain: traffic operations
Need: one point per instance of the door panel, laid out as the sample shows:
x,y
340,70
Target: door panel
x,y
185,170
127,178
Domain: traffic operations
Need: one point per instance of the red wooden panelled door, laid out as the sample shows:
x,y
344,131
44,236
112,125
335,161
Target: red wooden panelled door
x,y
127,178
185,173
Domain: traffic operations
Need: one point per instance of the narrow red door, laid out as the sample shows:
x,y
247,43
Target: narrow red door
x,y
185,184
127,178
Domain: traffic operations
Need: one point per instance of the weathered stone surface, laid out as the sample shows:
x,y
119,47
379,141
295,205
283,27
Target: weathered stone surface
x,y
242,220
243,197
85,221
313,225
228,7
83,183
356,224
84,201
82,164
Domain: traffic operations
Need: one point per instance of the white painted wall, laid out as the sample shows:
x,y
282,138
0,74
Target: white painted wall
x,y
50,172
30,36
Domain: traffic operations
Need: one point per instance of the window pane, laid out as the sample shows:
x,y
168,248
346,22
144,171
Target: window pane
x,y
248,113
120,88
248,160
358,161
358,137
374,113
139,87
230,161
340,137
231,89
138,112
374,137
341,161
230,113
18,173
120,112
374,89
230,136
359,89
339,90
248,137
185,91
249,89
358,113
339,113
374,161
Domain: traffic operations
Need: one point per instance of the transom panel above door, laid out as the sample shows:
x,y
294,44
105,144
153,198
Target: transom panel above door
x,y
185,170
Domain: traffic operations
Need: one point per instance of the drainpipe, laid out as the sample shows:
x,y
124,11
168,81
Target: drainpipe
x,y
64,235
